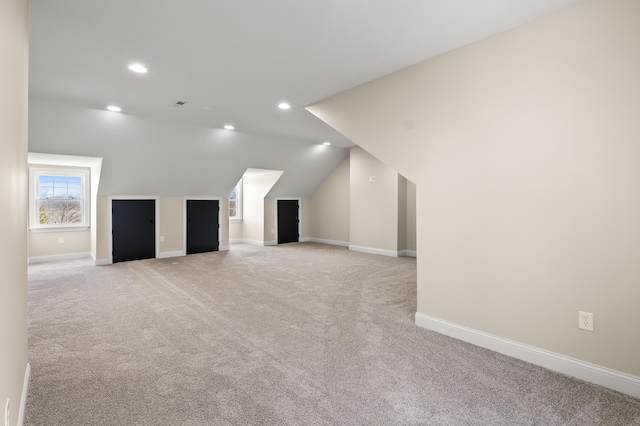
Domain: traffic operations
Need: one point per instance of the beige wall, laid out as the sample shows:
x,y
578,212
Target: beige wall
x,y
524,149
102,211
374,205
171,210
235,230
270,221
329,207
48,243
305,214
223,235
411,216
14,60
45,244
402,213
172,224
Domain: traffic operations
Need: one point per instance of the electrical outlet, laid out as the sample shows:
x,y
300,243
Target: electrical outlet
x,y
61,240
585,320
162,238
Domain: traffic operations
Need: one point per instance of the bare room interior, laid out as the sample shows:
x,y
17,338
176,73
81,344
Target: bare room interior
x,y
326,213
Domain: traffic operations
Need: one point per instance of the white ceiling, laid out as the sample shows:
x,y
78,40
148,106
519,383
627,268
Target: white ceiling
x,y
234,61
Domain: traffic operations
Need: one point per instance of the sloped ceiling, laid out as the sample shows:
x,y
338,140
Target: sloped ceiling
x,y
233,62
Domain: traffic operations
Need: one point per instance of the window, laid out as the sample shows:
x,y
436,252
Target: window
x,y
235,202
58,198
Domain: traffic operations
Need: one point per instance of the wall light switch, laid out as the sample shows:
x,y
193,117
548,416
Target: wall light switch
x,y
162,238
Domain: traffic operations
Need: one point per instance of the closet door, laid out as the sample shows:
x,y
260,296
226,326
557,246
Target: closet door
x,y
202,226
288,221
133,229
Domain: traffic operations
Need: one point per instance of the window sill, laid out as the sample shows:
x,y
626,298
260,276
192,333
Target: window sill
x,y
59,229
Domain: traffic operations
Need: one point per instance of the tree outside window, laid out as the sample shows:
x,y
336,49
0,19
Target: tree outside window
x,y
235,202
59,198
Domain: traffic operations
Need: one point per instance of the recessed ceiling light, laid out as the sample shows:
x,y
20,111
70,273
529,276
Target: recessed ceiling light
x,y
284,105
229,127
114,108
326,143
138,68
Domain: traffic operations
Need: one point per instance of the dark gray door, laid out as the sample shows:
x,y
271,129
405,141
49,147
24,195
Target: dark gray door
x,y
202,226
133,229
288,221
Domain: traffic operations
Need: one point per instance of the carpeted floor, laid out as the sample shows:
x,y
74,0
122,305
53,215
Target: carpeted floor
x,y
297,334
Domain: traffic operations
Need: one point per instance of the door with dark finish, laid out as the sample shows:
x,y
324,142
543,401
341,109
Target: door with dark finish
x,y
202,226
133,229
288,221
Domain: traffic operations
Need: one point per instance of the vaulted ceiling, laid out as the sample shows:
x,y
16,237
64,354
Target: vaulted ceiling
x,y
233,62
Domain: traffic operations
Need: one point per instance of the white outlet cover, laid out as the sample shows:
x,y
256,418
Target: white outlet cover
x,y
585,320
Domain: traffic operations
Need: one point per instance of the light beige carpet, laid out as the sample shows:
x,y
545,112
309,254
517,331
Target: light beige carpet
x,y
298,334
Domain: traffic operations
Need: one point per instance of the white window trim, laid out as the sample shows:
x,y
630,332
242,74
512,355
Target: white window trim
x,y
238,216
34,225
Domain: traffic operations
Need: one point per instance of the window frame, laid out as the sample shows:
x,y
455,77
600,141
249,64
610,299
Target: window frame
x,y
34,189
238,215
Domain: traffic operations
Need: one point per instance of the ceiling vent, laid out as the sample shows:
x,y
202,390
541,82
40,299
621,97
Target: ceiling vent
x,y
179,104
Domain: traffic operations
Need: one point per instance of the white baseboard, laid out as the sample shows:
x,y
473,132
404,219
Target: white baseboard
x,y
410,253
57,257
602,376
167,254
235,240
371,250
332,242
223,248
304,239
406,253
271,243
100,262
25,388
252,242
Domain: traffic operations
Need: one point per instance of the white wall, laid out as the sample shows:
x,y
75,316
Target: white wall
x,y
14,60
524,149
255,187
143,156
